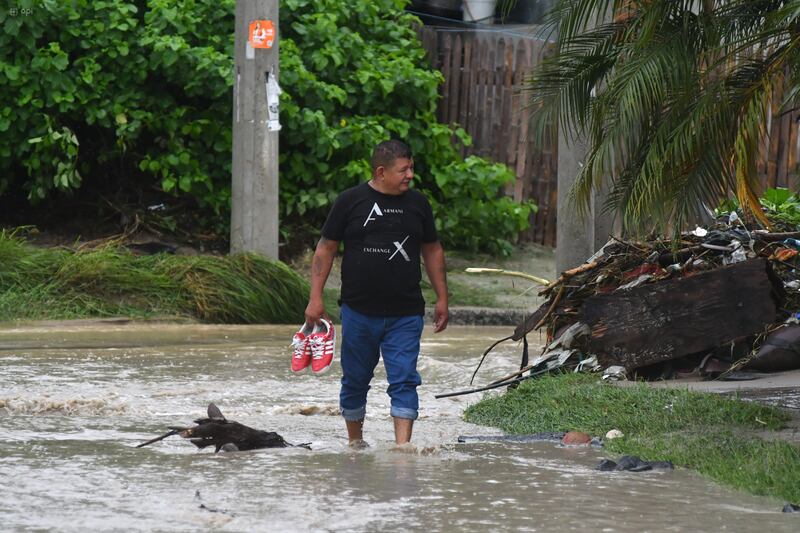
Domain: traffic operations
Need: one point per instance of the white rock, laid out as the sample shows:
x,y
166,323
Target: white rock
x,y
614,434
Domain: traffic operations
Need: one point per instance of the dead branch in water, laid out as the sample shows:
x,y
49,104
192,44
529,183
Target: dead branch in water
x,y
225,434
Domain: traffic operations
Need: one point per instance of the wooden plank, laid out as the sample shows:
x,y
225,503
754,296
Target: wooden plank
x,y
447,53
495,115
536,186
477,50
774,140
671,319
794,150
491,98
505,107
761,164
782,178
547,176
516,108
455,80
487,71
524,67
466,79
428,38
497,96
480,97
474,97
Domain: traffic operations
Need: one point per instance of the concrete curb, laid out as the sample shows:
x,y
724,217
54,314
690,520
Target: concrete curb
x,y
482,316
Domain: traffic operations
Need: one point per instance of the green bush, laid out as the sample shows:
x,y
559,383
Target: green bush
x,y
138,93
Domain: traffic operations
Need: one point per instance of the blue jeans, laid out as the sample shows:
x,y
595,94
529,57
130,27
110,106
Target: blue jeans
x,y
364,340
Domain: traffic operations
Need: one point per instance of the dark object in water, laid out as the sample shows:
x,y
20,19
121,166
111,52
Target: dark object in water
x,y
791,508
606,465
225,435
631,463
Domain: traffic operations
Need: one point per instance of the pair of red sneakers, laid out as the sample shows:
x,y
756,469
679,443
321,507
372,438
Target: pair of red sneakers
x,y
314,347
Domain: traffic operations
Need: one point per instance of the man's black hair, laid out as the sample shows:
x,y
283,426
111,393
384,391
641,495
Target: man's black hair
x,y
386,152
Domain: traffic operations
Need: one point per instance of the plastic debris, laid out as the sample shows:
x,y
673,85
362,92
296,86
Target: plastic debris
x,y
794,243
615,373
635,283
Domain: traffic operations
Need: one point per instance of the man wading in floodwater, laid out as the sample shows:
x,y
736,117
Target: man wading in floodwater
x,y
385,227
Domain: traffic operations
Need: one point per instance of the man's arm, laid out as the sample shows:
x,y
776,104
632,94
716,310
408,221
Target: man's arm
x,y
433,255
320,269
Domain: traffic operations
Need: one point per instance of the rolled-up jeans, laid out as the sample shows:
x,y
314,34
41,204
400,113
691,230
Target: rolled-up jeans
x,y
364,340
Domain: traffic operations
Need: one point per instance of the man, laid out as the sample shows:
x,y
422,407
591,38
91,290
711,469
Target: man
x,y
385,227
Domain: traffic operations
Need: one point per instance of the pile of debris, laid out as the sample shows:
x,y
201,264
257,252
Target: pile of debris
x,y
721,303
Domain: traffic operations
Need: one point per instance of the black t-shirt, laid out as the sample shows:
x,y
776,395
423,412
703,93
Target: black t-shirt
x,y
382,235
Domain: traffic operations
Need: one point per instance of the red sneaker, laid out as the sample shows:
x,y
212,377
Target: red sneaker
x,y
323,346
301,355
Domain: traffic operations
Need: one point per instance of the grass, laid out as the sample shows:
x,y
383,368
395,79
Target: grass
x,y
711,434
460,294
60,284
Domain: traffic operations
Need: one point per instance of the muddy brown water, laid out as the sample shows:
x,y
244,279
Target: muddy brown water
x,y
76,399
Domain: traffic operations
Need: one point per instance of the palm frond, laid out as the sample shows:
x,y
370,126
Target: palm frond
x,y
671,98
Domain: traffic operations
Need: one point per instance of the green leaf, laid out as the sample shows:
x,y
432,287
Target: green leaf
x,y
185,183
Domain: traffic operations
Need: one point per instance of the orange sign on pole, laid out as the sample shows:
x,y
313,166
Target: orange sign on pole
x,y
262,34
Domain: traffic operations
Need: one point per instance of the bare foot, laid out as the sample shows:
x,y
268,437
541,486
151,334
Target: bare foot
x,y
413,450
406,447
358,444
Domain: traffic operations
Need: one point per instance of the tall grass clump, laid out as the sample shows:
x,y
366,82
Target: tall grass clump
x,y
110,281
715,435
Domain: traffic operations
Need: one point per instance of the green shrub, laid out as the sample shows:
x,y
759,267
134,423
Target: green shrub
x,y
137,94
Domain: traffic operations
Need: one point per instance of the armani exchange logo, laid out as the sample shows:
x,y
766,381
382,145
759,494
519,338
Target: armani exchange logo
x,y
376,211
398,249
399,246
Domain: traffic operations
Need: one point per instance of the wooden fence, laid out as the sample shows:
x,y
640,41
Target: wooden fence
x,y
777,165
484,73
482,92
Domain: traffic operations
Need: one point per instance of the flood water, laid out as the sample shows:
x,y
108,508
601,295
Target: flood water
x,y
76,399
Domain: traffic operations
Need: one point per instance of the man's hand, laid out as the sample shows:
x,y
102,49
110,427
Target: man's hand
x,y
320,268
314,311
441,315
433,255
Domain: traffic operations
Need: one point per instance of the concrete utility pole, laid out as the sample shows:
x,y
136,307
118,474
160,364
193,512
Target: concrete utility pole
x,y
578,238
254,187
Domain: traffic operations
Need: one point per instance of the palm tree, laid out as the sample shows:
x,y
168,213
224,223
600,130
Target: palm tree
x,y
672,98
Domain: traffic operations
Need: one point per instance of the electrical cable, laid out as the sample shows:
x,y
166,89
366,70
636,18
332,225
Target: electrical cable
x,y
489,28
